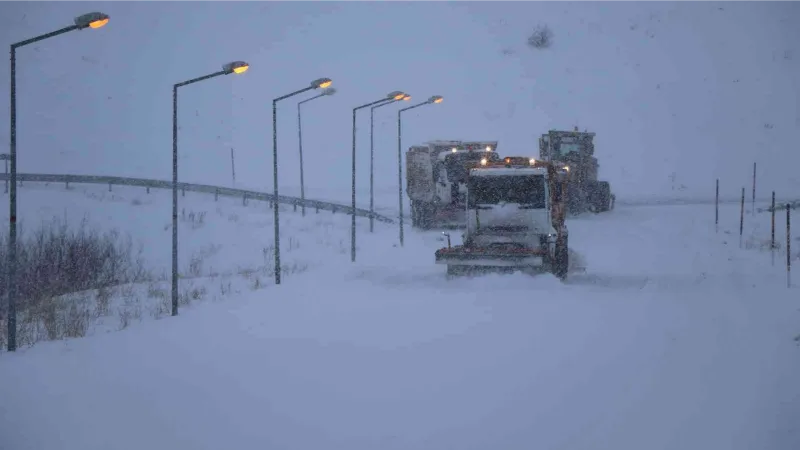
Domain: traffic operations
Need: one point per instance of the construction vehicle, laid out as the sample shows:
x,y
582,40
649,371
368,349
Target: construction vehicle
x,y
575,150
516,219
436,175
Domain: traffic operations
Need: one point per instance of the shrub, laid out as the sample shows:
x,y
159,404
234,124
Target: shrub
x,y
56,261
541,37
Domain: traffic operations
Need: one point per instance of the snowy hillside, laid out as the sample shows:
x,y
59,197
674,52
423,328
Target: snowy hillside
x,y
663,343
225,246
669,87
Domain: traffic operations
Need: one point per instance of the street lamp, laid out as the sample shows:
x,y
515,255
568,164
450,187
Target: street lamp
x,y
392,96
328,91
236,67
320,83
372,158
433,100
90,20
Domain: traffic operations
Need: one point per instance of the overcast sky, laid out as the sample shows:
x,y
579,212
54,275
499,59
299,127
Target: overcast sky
x,y
699,89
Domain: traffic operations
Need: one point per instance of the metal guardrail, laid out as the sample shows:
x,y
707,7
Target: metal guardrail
x,y
781,206
191,187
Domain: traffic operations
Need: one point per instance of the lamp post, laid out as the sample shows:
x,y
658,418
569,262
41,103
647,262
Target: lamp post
x,y
433,100
320,83
393,96
328,91
372,159
91,20
236,67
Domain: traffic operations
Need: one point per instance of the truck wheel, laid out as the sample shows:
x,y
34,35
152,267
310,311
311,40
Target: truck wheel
x,y
425,215
601,197
560,263
454,271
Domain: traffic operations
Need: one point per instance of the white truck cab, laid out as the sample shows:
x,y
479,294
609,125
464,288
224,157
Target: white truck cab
x,y
514,218
508,205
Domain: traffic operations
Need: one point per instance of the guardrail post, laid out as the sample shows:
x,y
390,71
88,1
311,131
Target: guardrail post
x,y
216,194
317,208
183,192
295,207
148,189
109,187
244,199
66,184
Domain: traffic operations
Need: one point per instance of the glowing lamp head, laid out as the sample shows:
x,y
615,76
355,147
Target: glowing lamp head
x,y
237,67
484,161
407,97
321,83
566,168
91,20
488,148
533,161
454,150
436,99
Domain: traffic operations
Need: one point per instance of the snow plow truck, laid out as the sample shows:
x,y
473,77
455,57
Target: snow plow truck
x,y
436,175
575,149
515,219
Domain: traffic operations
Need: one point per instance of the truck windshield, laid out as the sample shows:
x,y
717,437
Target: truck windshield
x,y
528,190
458,164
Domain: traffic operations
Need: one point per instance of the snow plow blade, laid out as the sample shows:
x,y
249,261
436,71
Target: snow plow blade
x,y
460,256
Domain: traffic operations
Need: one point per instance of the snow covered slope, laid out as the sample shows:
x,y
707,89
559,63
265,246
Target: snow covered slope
x,y
674,338
671,88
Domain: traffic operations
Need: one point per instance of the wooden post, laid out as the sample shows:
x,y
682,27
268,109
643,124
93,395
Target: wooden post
x,y
741,220
788,245
772,232
716,209
754,189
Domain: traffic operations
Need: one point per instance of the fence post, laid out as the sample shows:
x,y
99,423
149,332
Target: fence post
x,y
244,199
741,220
754,189
788,245
295,207
716,209
109,187
148,189
66,185
772,231
216,194
183,192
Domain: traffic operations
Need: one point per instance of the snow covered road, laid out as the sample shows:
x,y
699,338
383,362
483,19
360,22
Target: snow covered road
x,y
673,339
